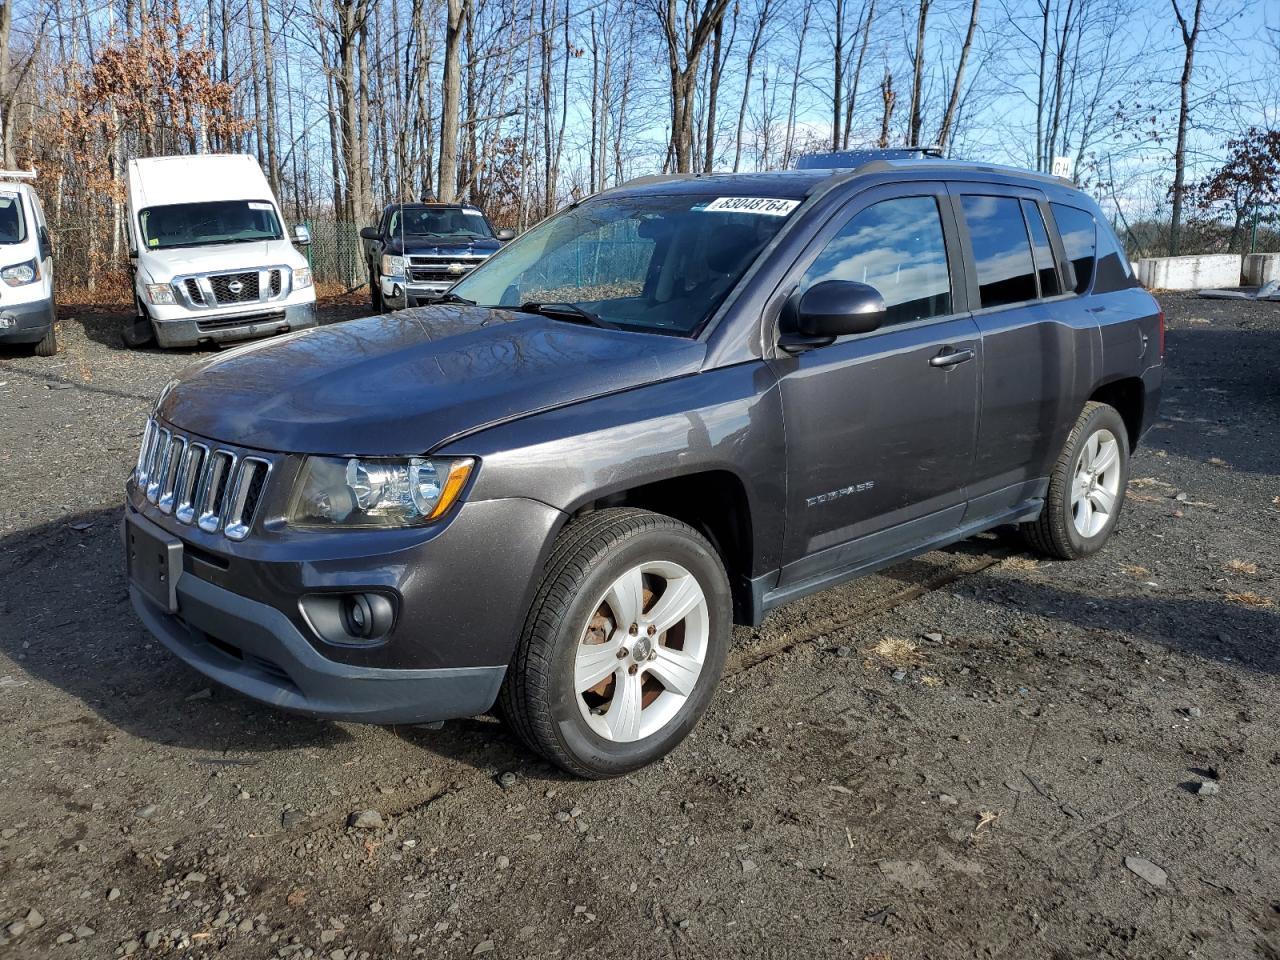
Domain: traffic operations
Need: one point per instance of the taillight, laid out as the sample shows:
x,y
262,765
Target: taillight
x,y
1160,332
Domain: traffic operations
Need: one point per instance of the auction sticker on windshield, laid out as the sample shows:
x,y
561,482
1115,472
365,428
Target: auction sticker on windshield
x,y
766,206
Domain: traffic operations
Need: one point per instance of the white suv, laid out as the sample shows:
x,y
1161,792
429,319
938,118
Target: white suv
x,y
26,267
209,255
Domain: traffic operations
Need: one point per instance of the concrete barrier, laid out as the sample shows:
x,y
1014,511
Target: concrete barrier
x,y
1260,268
1189,273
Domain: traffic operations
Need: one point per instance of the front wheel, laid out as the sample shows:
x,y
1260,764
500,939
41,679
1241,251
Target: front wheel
x,y
48,346
1086,488
623,646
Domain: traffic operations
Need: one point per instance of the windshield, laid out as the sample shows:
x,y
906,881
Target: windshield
x,y
13,227
426,222
660,264
204,224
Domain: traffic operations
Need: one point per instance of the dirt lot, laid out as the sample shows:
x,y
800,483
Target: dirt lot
x,y
1062,760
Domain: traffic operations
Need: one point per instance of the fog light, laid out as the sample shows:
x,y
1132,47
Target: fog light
x,y
350,617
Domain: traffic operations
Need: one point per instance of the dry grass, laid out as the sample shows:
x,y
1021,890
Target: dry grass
x,y
1245,568
1142,497
931,682
897,652
1136,571
1250,599
986,818
1025,564
1219,462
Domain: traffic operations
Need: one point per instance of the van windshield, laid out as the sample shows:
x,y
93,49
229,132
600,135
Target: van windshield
x,y
13,227
656,264
206,224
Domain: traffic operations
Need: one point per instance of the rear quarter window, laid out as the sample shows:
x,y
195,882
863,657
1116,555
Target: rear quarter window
x,y
1079,239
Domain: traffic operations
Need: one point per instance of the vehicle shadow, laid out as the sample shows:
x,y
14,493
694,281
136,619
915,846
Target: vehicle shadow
x,y
66,620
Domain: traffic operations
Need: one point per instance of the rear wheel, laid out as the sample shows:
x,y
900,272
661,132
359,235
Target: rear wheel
x,y
375,292
623,646
48,347
1086,489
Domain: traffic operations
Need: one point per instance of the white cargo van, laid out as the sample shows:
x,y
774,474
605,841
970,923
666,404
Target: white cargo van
x,y
26,267
209,255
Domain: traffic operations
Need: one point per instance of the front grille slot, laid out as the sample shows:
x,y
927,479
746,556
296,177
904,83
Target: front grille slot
x,y
192,468
241,320
173,461
276,282
198,483
194,291
235,287
213,490
245,496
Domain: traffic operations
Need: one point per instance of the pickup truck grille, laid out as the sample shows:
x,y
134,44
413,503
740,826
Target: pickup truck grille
x,y
200,483
442,269
235,287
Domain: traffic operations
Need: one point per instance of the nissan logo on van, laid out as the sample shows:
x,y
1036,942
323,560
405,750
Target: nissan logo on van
x,y
235,286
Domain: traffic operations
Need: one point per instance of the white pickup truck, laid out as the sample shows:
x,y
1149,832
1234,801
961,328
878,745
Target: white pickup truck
x,y
26,267
209,255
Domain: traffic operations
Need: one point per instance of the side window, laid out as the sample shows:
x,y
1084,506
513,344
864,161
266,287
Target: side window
x,y
1046,268
1079,237
1114,272
897,247
1001,250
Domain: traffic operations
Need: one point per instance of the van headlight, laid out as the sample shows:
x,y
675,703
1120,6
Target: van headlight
x,y
160,293
392,266
21,273
301,278
377,491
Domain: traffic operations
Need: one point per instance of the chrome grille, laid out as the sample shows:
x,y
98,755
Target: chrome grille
x,y
235,287
213,488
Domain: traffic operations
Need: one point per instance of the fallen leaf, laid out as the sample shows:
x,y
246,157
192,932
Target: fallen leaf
x,y
297,898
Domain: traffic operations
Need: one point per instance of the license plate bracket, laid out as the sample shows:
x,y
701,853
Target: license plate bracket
x,y
155,561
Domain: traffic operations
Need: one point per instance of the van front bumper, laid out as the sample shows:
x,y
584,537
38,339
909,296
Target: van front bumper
x,y
26,322
224,328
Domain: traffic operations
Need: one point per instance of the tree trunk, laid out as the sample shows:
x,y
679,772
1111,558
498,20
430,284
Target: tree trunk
x,y
451,88
1190,35
269,77
949,118
917,82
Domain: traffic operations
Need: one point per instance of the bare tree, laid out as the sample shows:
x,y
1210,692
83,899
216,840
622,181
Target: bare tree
x,y
687,26
1190,36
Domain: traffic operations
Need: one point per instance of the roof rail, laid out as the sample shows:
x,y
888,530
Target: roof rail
x,y
849,159
17,174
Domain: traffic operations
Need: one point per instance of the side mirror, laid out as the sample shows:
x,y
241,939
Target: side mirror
x,y
837,308
370,233
302,235
505,235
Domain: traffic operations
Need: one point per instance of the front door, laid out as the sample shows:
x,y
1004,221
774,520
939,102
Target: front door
x,y
880,427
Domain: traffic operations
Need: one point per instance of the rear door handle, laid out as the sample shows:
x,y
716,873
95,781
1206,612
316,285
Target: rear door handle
x,y
950,356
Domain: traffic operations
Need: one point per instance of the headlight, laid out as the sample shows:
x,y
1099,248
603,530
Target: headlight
x,y
160,293
21,273
301,278
377,492
392,266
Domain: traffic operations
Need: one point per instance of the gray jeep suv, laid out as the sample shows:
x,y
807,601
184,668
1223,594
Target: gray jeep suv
x,y
668,409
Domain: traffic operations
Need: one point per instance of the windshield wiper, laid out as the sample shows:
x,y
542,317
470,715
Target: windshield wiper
x,y
568,311
453,298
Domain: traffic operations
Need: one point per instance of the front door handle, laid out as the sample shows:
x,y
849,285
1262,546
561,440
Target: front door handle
x,y
950,356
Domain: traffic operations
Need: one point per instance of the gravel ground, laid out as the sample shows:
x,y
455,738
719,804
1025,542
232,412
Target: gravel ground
x,y
973,754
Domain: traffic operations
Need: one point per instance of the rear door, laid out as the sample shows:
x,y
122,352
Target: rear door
x,y
880,426
1035,340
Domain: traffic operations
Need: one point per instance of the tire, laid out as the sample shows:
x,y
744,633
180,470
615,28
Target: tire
x,y
1075,522
138,332
48,347
375,293
604,561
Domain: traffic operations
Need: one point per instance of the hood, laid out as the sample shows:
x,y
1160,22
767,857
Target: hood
x,y
406,382
435,247
163,265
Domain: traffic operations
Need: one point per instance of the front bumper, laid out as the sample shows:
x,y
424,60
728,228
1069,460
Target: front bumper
x,y
255,650
26,322
462,589
225,328
397,294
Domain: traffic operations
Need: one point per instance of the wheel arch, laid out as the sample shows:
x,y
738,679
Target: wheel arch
x,y
1128,396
